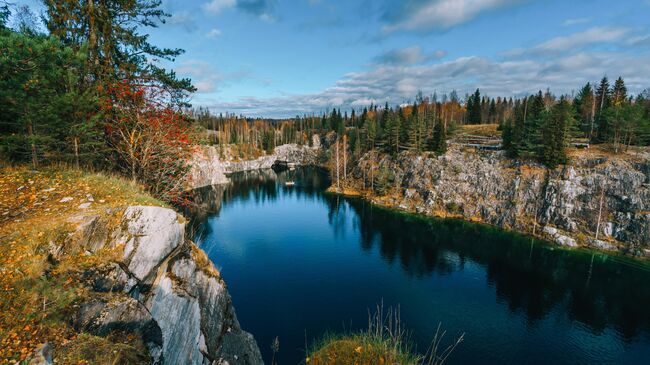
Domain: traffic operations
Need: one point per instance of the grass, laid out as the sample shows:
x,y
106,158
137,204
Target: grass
x,y
38,290
483,130
88,349
384,342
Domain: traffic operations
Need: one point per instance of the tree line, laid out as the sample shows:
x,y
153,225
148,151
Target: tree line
x,y
539,127
83,87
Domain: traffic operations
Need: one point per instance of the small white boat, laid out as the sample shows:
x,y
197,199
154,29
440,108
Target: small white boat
x,y
289,183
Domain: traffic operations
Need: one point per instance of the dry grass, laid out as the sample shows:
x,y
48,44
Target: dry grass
x,y
204,263
384,342
88,349
483,130
594,151
37,291
358,349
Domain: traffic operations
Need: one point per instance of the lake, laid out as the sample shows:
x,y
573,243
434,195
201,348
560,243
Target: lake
x,y
300,263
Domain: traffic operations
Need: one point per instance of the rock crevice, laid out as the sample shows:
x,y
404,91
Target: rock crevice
x,y
173,296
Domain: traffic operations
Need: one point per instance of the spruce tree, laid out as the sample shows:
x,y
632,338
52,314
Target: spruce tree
x,y
619,93
414,129
474,108
585,105
439,140
492,113
556,132
393,132
507,138
603,94
534,115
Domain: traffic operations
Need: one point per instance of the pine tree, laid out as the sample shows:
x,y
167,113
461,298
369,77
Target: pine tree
x,y
474,108
603,95
619,93
508,138
535,123
492,113
439,140
585,105
414,129
393,132
556,132
45,116
108,30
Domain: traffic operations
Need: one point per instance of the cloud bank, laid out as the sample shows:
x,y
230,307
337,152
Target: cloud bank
x,y
395,84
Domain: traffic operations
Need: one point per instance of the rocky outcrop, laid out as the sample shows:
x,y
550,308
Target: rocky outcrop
x,y
210,164
562,204
171,294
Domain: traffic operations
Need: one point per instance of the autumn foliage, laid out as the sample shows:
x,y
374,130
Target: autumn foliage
x,y
150,141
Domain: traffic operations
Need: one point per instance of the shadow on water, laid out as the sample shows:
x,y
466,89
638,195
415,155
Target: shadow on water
x,y
531,278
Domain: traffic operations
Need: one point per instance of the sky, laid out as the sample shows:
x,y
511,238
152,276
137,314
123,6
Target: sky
x,y
280,58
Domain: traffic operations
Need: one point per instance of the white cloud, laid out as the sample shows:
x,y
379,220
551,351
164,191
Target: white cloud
x,y
209,79
213,33
183,19
264,9
395,84
576,41
215,6
576,21
642,40
439,14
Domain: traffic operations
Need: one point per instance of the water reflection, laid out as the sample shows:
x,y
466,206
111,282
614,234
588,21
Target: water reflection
x,y
529,277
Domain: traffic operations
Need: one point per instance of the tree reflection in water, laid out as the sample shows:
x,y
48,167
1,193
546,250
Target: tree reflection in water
x,y
532,277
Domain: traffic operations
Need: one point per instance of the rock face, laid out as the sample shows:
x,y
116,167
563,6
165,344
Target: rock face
x,y
526,197
173,296
209,166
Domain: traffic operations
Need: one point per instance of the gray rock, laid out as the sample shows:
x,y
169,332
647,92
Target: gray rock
x,y
199,298
125,316
84,205
42,355
602,245
180,309
151,234
315,141
209,165
512,194
66,199
550,230
565,241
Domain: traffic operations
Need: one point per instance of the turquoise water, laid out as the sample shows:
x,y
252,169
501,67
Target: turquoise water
x,y
300,263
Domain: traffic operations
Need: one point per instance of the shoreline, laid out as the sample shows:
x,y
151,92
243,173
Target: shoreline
x,y
376,201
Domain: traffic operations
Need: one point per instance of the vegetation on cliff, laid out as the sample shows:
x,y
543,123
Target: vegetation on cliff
x,y
39,213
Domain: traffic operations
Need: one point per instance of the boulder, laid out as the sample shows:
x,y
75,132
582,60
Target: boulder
x,y
150,235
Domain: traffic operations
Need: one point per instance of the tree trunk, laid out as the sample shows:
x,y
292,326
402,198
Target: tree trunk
x,y
593,114
30,134
338,185
345,158
76,152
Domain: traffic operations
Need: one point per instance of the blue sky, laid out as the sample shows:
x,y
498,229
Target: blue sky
x,y
281,58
